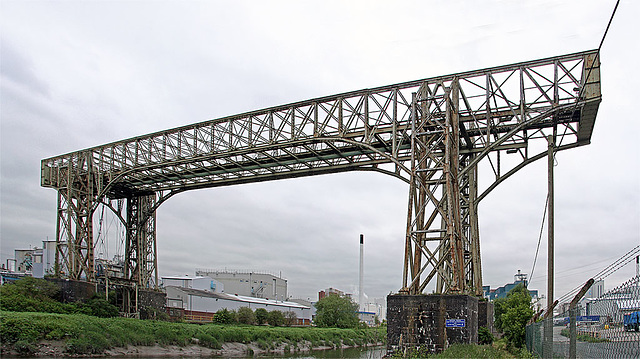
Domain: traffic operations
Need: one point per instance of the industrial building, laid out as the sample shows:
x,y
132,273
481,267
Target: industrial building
x,y
36,261
256,284
198,298
501,292
332,291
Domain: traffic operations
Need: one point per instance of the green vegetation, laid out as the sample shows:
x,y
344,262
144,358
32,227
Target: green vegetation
x,y
584,337
336,311
261,316
484,336
246,316
512,314
83,334
30,313
497,350
480,352
38,295
275,318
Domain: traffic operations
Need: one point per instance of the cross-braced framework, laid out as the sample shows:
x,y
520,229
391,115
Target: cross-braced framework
x,y
436,134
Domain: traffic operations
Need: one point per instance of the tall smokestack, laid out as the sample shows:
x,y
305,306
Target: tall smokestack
x,y
361,283
637,264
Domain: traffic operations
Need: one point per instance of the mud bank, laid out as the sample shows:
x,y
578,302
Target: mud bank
x,y
228,350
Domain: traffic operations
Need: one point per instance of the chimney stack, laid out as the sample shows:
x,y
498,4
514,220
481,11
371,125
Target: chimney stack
x,y
361,284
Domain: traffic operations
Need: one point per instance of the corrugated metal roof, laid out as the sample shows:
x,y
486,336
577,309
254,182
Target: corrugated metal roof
x,y
239,298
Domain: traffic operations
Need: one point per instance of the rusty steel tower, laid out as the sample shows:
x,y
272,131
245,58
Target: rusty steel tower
x,y
435,134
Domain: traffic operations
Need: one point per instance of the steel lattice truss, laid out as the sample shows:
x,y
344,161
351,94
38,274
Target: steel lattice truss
x,y
433,133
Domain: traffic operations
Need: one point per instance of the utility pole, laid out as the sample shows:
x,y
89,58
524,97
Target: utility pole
x,y
548,323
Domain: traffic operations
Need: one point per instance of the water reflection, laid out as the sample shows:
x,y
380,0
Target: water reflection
x,y
353,353
361,353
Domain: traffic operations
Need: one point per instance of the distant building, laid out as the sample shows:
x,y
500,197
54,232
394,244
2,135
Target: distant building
x,y
257,284
596,290
369,318
36,261
501,292
201,283
333,291
113,268
199,298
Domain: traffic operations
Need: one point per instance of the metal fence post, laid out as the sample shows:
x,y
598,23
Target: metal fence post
x,y
573,333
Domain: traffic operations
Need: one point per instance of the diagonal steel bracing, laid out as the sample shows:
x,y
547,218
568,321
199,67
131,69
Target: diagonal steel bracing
x,y
441,135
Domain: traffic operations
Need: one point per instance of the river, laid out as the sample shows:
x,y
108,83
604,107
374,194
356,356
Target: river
x,y
352,353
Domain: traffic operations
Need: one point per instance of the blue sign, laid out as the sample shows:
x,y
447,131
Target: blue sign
x,y
588,318
455,323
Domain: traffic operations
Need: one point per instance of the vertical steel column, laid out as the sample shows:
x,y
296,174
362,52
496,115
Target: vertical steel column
x,y
140,249
453,219
548,324
476,262
76,200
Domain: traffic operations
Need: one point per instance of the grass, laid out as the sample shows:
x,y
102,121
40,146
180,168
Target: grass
x,y
85,334
497,350
584,337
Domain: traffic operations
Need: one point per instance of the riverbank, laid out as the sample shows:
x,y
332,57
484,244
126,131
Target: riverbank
x,y
229,350
45,334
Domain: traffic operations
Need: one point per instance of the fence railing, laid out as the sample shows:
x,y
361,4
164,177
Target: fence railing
x,y
605,327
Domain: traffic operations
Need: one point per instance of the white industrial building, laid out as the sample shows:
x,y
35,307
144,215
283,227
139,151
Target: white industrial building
x,y
198,282
36,261
257,284
201,296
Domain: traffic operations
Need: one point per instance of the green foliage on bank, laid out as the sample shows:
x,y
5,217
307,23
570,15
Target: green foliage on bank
x,y
83,334
584,337
39,295
512,315
338,312
497,351
480,352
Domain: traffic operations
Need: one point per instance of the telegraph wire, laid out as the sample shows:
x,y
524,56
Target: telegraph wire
x,y
607,271
580,93
535,259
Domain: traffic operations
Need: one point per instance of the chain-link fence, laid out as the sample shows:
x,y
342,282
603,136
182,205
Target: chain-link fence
x,y
607,326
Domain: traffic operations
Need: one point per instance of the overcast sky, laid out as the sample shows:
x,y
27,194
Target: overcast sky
x,y
76,74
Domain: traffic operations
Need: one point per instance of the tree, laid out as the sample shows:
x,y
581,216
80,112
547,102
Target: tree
x,y
498,309
261,316
336,311
516,314
224,316
275,318
290,318
246,316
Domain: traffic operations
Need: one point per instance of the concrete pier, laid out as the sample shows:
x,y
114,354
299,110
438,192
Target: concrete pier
x,y
431,322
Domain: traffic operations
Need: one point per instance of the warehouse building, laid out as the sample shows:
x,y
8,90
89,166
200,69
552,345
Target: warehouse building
x,y
256,284
198,298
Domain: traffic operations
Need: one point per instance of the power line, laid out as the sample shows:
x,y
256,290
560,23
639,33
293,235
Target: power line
x,y
535,259
607,271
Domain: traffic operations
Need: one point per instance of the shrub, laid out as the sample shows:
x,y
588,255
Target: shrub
x,y
224,316
290,318
275,318
484,336
32,295
25,348
99,307
246,316
261,316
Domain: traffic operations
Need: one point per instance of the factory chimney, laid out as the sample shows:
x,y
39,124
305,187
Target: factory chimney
x,y
361,282
637,266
